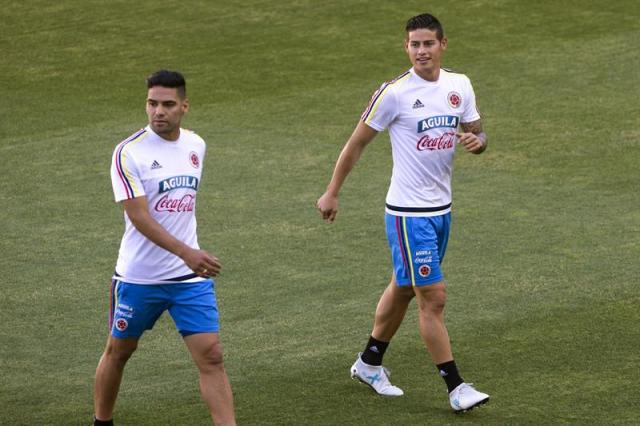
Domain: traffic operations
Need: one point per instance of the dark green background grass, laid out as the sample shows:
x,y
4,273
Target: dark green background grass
x,y
542,266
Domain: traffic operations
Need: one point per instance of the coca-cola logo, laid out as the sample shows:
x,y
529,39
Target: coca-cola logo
x,y
444,141
176,205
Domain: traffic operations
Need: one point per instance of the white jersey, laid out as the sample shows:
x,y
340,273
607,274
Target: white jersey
x,y
168,173
422,117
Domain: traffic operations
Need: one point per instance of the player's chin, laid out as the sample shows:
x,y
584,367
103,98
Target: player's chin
x,y
161,127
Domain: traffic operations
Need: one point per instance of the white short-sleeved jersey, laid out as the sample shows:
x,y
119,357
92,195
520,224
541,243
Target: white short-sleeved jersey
x,y
168,173
422,117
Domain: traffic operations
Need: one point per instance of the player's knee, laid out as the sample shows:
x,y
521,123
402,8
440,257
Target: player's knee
x,y
212,357
437,306
404,292
438,301
120,351
434,301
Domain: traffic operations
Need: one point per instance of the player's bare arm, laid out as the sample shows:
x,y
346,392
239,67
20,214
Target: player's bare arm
x,y
327,204
201,262
473,137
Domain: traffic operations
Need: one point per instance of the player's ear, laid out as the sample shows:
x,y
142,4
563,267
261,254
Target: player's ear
x,y
185,105
444,43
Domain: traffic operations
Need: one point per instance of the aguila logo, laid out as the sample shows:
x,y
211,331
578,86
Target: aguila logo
x,y
194,159
454,99
444,141
176,205
176,182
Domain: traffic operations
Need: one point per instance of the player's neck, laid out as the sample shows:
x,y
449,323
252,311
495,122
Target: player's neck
x,y
171,136
431,75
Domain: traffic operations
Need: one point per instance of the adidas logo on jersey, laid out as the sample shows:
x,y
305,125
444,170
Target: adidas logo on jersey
x,y
155,165
418,104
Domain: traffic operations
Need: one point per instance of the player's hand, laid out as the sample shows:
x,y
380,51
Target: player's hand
x,y
471,142
327,205
202,263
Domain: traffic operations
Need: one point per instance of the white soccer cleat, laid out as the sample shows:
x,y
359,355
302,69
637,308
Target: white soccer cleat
x,y
465,397
375,376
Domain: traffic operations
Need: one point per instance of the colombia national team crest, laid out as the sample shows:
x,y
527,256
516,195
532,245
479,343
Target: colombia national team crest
x,y
194,159
424,271
454,99
121,324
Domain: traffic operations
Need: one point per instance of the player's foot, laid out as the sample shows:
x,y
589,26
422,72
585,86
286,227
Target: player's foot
x,y
465,397
375,376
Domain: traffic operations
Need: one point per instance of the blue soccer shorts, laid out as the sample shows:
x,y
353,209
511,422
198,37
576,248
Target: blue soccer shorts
x,y
418,245
136,307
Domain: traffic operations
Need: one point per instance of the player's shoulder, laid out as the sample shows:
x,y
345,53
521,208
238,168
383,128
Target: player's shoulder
x,y
393,86
192,136
132,140
455,75
398,81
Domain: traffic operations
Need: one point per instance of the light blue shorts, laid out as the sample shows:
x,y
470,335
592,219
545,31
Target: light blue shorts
x,y
418,245
136,307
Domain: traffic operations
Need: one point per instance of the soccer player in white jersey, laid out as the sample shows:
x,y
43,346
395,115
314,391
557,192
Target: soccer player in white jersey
x,y
156,174
428,111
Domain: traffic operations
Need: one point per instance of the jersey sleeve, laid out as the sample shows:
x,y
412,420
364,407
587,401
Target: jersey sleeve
x,y
125,177
203,149
382,108
470,112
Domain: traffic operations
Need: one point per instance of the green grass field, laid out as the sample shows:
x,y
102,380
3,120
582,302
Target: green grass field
x,y
543,262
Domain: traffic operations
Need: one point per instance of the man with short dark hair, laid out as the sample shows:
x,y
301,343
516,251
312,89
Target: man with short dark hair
x,y
156,174
423,109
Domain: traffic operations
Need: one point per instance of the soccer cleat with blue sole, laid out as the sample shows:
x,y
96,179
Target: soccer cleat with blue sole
x,y
465,398
374,376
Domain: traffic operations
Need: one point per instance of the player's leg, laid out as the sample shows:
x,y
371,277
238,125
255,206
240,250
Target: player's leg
x,y
393,303
431,301
426,240
391,310
215,388
389,315
109,375
195,311
431,297
134,309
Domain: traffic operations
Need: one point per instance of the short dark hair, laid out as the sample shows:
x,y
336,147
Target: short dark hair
x,y
166,78
426,21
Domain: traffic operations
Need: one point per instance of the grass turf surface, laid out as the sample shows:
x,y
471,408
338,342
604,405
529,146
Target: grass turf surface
x,y
542,266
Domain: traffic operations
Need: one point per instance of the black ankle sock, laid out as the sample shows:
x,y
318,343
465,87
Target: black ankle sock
x,y
449,373
374,351
97,422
